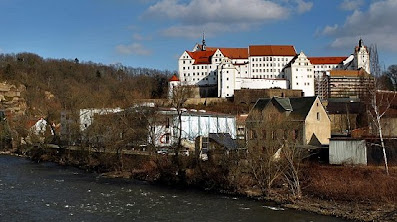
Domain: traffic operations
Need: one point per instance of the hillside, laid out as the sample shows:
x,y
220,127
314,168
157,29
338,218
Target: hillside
x,y
52,85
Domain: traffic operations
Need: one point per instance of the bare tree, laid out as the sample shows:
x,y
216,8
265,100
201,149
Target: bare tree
x,y
379,102
271,150
292,157
180,95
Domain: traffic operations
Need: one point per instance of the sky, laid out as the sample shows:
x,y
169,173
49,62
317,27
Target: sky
x,y
155,33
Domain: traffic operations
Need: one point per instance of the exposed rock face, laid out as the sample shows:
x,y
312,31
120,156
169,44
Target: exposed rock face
x,y
11,100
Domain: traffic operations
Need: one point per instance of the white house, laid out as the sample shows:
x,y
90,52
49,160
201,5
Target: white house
x,y
165,128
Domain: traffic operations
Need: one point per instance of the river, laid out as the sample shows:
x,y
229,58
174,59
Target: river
x,y
47,192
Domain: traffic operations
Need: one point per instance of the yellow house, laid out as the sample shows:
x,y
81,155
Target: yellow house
x,y
303,119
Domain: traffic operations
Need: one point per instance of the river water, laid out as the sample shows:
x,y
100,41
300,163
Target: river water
x,y
47,192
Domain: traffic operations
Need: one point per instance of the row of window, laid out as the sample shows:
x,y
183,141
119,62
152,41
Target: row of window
x,y
266,70
309,70
308,76
285,134
269,65
265,59
198,79
194,67
198,74
266,76
305,83
327,66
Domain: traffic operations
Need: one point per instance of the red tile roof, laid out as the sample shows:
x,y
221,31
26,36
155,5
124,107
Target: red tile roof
x,y
174,78
232,53
326,60
201,57
235,53
272,50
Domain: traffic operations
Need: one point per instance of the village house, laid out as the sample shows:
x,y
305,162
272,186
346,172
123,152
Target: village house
x,y
302,120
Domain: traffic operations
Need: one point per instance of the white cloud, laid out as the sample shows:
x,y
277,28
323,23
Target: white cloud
x,y
329,30
139,37
376,26
350,5
304,6
225,15
196,31
134,48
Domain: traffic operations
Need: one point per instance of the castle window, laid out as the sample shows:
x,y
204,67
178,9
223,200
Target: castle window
x,y
318,116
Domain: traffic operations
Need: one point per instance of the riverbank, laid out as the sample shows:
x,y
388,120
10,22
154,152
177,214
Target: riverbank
x,y
354,193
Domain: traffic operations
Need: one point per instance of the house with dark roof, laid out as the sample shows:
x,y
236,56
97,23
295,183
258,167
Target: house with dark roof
x,y
303,120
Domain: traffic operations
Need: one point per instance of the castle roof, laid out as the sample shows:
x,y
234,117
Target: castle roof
x,y
326,60
272,50
201,57
173,78
235,53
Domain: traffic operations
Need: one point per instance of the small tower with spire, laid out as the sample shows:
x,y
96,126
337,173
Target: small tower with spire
x,y
361,57
204,46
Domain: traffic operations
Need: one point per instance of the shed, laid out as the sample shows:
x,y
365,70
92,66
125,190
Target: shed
x,y
347,151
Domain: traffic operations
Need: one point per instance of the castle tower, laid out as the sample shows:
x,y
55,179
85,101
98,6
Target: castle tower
x,y
172,83
361,57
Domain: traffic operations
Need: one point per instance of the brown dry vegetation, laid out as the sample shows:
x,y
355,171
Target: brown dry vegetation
x,y
350,183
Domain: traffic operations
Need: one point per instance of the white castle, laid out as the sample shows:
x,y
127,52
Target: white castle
x,y
260,67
